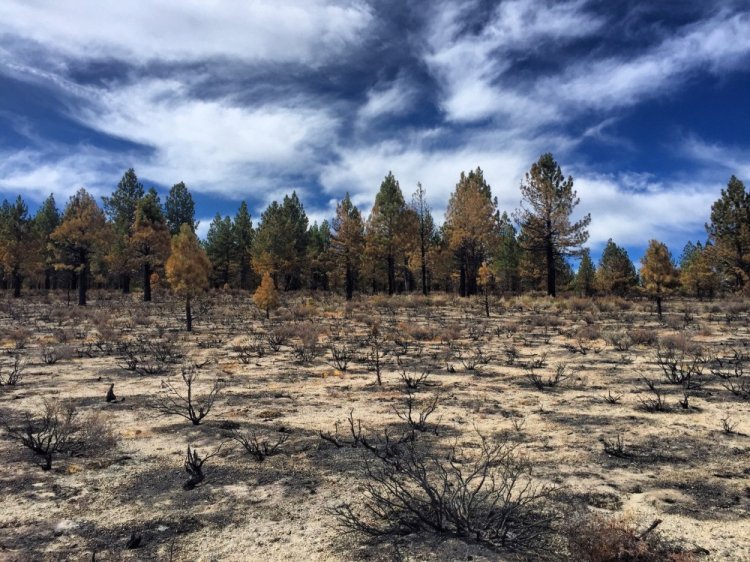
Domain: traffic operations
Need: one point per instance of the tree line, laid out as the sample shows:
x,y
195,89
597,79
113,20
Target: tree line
x,y
134,239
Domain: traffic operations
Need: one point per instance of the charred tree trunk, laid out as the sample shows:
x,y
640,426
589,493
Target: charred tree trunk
x,y
462,280
17,282
391,274
188,316
82,282
146,282
125,283
550,259
349,283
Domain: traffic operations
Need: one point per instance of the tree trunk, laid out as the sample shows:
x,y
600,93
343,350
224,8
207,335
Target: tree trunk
x,y
125,283
391,274
551,289
462,280
349,283
17,281
82,281
486,302
424,272
188,316
47,280
146,282
243,277
268,313
658,306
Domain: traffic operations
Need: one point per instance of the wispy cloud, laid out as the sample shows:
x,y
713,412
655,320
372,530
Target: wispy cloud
x,y
36,172
251,102
297,30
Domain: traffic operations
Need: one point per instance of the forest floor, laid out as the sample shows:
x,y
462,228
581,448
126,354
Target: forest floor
x,y
685,464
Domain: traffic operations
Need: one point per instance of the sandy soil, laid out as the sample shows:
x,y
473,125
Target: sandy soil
x,y
680,466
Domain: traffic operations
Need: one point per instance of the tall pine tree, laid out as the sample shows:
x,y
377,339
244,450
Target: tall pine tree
x,y
547,204
471,227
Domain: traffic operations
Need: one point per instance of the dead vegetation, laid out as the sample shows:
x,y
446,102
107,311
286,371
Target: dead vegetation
x,y
418,422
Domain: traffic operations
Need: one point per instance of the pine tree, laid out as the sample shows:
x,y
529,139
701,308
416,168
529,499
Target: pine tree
x,y
243,235
319,256
729,231
347,243
547,204
46,220
81,238
221,247
658,273
266,297
586,274
426,232
188,269
506,256
150,241
486,279
698,272
471,227
120,207
19,250
280,245
386,226
179,209
616,273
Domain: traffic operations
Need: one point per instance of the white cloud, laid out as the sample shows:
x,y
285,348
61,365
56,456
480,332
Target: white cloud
x,y
470,67
669,213
732,159
202,230
35,173
218,145
295,30
714,44
394,98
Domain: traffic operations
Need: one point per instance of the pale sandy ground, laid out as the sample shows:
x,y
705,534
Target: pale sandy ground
x,y
685,469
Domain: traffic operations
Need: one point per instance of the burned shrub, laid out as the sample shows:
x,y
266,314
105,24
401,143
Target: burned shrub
x,y
259,448
194,467
171,402
11,375
53,353
49,434
486,495
416,415
342,353
308,347
414,380
657,402
552,381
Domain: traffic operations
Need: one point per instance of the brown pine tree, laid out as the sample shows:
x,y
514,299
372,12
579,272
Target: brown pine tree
x,y
659,275
471,227
82,237
188,269
266,297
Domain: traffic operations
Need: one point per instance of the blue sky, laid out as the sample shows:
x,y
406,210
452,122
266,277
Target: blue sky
x,y
646,104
